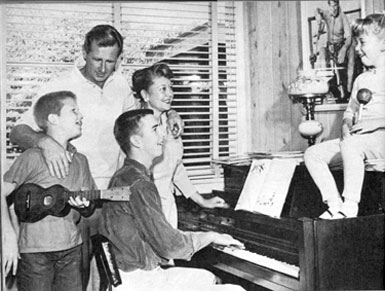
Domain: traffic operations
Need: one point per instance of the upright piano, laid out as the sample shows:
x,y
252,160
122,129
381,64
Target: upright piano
x,y
296,251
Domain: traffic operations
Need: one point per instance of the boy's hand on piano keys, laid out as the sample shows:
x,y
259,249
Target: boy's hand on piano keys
x,y
227,240
215,202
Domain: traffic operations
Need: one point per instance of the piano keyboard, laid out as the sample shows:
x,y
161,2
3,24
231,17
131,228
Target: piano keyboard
x,y
260,260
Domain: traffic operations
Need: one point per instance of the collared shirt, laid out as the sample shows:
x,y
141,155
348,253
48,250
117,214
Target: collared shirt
x,y
140,234
51,233
100,107
338,27
169,172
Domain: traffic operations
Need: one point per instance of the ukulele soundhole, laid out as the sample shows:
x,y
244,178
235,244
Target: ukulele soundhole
x,y
48,200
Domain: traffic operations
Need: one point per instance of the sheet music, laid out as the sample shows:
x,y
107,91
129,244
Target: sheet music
x,y
253,184
266,186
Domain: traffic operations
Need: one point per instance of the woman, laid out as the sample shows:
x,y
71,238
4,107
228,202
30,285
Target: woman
x,y
152,86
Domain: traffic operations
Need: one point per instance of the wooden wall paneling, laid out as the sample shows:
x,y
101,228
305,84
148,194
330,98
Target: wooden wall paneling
x,y
331,122
273,108
374,6
287,116
251,10
281,109
275,50
297,142
265,76
261,85
326,123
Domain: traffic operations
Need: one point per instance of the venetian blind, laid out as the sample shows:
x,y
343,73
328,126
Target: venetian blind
x,y
196,39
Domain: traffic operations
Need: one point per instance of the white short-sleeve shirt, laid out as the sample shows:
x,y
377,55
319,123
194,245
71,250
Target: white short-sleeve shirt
x,y
100,108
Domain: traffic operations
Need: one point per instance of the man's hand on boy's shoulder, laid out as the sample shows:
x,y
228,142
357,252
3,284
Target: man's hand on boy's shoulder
x,y
56,157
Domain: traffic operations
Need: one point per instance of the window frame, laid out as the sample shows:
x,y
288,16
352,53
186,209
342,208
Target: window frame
x,y
216,180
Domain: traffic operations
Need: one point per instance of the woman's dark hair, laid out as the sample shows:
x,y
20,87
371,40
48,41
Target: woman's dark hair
x,y
143,79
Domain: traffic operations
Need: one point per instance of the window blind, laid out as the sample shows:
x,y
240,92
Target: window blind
x,y
42,41
196,39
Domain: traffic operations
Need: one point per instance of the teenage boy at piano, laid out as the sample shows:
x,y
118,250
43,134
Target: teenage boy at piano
x,y
50,249
141,236
362,140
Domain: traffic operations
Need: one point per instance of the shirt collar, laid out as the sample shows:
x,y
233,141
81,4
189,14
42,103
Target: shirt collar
x,y
133,163
84,79
71,149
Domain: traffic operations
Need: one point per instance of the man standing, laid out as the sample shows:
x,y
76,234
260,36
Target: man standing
x,y
339,41
102,94
147,239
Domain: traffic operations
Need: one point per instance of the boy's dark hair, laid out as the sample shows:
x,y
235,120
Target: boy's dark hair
x,y
50,103
104,35
143,79
126,125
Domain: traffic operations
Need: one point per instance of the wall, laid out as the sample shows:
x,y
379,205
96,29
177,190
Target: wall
x,y
274,31
275,48
372,6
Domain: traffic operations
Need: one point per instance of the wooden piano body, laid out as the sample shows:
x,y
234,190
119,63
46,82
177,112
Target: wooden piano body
x,y
345,254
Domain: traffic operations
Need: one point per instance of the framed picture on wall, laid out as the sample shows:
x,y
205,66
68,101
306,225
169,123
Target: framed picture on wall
x,y
327,45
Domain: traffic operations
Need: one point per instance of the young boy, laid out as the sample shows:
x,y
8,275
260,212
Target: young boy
x,y
147,239
50,249
362,139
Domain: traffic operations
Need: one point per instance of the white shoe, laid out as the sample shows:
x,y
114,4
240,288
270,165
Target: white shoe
x,y
348,209
328,214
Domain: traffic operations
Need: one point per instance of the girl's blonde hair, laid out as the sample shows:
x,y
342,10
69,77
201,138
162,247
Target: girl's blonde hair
x,y
373,23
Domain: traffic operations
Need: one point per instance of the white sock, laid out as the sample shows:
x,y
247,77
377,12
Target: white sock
x,y
335,205
350,208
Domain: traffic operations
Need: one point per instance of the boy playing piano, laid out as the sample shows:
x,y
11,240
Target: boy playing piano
x,y
141,236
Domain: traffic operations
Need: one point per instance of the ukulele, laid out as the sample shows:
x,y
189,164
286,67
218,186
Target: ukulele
x,y
33,202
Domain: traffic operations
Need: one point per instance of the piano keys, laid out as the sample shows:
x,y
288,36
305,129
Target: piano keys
x,y
319,254
296,251
264,261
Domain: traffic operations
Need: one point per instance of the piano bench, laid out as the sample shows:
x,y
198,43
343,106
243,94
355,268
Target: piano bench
x,y
106,263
